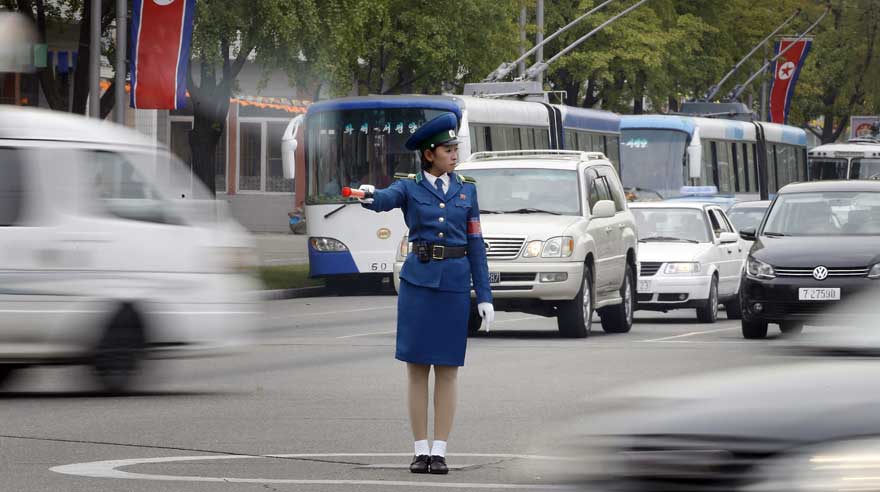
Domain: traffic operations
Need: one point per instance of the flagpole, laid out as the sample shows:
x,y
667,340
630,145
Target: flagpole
x,y
121,51
95,61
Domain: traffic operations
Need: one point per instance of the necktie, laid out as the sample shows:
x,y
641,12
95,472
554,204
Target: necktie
x,y
438,183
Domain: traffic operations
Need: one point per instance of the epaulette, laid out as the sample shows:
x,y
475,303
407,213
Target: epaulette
x,y
467,179
404,176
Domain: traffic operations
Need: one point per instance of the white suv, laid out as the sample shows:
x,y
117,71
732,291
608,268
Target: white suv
x,y
560,239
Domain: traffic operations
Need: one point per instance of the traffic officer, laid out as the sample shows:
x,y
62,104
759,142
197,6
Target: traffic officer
x,y
440,208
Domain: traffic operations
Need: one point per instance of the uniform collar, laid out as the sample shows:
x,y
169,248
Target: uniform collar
x,y
431,178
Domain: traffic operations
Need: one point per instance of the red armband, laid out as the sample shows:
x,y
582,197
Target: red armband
x,y
473,227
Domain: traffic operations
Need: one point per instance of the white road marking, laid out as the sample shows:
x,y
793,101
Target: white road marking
x,y
368,334
690,334
515,319
108,469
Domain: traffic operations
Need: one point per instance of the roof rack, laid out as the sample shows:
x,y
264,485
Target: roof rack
x,y
867,140
562,154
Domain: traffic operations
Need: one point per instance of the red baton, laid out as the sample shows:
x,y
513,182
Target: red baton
x,y
350,192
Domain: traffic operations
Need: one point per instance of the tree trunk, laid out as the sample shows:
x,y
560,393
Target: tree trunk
x,y
592,94
203,140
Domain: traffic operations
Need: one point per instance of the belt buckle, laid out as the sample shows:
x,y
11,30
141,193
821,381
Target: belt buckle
x,y
434,252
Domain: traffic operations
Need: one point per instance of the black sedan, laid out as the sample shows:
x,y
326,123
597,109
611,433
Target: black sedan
x,y
819,244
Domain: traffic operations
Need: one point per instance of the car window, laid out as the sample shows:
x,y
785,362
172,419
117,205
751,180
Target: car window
x,y
614,186
122,191
726,220
718,224
11,187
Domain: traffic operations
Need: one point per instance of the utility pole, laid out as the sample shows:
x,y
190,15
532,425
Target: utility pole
x,y
764,90
522,40
121,33
95,61
539,38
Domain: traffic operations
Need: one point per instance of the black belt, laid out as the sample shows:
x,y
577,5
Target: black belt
x,y
427,251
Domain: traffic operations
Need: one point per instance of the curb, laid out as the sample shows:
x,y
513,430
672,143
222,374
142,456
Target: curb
x,y
280,294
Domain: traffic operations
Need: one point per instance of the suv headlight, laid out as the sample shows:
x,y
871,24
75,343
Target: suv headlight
x,y
327,244
685,268
533,249
759,269
875,271
558,247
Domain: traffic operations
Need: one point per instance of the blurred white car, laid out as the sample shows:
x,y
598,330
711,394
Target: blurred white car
x,y
690,257
112,251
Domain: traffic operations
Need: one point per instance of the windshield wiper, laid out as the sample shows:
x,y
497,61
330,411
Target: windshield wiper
x,y
531,211
667,238
774,234
491,212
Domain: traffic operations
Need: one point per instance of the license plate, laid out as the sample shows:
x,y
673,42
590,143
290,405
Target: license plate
x,y
494,277
817,294
644,286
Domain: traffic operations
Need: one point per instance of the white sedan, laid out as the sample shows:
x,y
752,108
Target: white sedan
x,y
690,256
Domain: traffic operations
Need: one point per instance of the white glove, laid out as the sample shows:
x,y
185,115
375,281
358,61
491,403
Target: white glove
x,y
366,189
487,312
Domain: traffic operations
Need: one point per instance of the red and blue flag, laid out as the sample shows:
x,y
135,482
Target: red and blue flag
x,y
786,71
161,35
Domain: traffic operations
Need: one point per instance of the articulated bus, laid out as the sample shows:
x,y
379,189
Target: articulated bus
x,y
360,140
858,159
664,153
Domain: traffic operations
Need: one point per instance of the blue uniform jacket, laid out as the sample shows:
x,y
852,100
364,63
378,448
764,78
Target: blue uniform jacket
x,y
450,220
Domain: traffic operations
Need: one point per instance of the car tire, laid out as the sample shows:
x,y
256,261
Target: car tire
x,y
754,330
575,317
733,308
791,328
475,322
708,313
619,318
119,354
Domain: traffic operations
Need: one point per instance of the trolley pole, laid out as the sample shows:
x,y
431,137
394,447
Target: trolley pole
x,y
95,61
121,50
539,38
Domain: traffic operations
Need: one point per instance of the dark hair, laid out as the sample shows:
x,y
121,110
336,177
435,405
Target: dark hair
x,y
426,164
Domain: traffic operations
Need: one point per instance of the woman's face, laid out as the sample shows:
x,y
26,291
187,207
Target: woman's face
x,y
443,159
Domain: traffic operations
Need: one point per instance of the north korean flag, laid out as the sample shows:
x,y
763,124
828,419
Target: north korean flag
x,y
160,38
786,71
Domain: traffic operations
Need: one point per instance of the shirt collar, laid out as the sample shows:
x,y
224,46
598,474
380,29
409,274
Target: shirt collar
x,y
431,178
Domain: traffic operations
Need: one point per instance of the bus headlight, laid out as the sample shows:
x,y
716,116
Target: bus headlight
x,y
327,245
558,247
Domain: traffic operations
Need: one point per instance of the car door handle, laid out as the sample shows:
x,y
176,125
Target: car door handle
x,y
621,226
608,229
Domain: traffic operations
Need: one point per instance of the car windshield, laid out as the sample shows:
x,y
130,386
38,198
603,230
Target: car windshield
x,y
527,190
671,224
743,217
825,214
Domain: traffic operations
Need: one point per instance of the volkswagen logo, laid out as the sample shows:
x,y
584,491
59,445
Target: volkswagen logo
x,y
820,273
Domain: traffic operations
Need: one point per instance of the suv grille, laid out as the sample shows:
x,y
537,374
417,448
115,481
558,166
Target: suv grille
x,y
503,248
649,268
832,272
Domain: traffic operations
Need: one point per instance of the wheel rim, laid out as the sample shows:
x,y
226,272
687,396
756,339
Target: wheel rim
x,y
627,299
714,301
588,303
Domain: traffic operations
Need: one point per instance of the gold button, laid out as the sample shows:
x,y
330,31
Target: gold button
x,y
442,205
440,234
442,219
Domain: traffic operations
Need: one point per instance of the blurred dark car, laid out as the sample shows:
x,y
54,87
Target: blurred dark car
x,y
747,214
809,422
818,245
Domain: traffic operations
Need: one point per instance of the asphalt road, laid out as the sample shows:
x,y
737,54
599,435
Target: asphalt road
x,y
319,404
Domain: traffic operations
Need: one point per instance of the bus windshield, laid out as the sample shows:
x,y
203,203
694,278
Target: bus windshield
x,y
351,148
865,169
825,169
653,159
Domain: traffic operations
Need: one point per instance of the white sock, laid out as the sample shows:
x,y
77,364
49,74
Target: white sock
x,y
422,447
439,449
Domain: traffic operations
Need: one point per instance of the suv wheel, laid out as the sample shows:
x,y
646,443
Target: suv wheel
x,y
709,312
118,355
619,318
575,317
754,330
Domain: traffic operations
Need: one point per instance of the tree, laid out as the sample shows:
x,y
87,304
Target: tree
x,y
842,73
45,14
228,34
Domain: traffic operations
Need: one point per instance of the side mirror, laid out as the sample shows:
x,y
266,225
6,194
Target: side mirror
x,y
604,209
748,234
288,147
729,237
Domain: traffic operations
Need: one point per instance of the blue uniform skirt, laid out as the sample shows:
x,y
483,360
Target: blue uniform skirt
x,y
432,325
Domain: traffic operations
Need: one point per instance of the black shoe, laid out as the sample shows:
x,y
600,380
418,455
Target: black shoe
x,y
420,464
438,465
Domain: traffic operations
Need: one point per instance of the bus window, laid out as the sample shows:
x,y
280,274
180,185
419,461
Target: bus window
x,y
527,137
786,165
612,151
771,168
865,169
739,167
598,143
478,138
801,165
823,169
749,166
726,174
708,177
570,140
